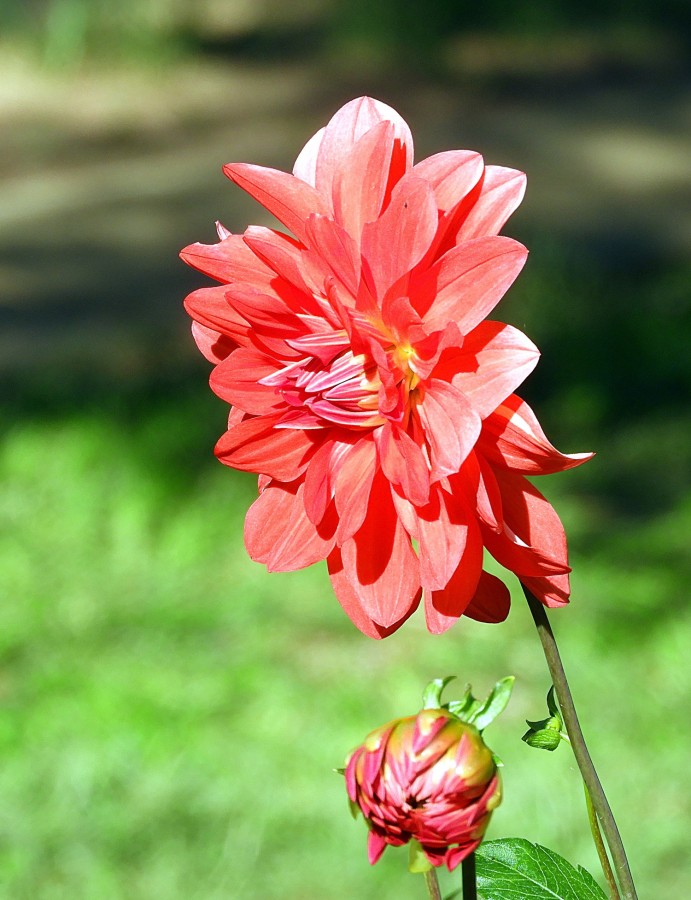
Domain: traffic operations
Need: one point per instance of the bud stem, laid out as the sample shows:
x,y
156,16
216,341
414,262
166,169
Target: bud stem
x,y
432,883
600,846
469,878
580,750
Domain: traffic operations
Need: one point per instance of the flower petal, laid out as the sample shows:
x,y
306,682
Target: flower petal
x,y
451,426
500,194
491,601
210,307
279,534
444,607
466,284
289,198
403,462
495,359
395,242
552,590
379,560
212,345
512,438
256,445
228,260
452,174
352,486
237,379
306,164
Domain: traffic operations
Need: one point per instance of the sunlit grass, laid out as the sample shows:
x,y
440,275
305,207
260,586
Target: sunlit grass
x,y
172,713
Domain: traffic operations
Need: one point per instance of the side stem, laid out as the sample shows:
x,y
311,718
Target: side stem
x,y
580,750
432,883
469,878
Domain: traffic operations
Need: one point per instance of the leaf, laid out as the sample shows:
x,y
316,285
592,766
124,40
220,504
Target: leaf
x,y
494,704
514,868
431,697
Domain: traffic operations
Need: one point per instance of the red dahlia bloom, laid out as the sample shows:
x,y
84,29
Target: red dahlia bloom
x,y
368,391
429,777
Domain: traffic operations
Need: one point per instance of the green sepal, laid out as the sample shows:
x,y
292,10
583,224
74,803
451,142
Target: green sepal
x,y
431,696
494,704
543,739
342,771
354,808
418,863
552,705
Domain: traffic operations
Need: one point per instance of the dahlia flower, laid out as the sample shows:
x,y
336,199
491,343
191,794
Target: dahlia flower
x,y
368,390
428,777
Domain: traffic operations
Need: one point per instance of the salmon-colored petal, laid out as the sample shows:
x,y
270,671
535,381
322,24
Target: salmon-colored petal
x,y
279,534
452,174
451,426
229,260
444,607
290,199
337,251
512,438
210,307
379,560
444,527
352,606
495,359
212,345
347,126
501,193
237,380
284,256
479,486
256,445
466,284
403,462
352,486
395,242
491,601
306,164
320,477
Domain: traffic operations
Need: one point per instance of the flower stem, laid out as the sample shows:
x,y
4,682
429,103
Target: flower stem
x,y
469,879
600,846
432,883
580,750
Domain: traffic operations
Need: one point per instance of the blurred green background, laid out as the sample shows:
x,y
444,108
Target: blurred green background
x,y
171,714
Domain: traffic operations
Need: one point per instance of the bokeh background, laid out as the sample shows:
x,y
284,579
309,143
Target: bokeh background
x,y
170,713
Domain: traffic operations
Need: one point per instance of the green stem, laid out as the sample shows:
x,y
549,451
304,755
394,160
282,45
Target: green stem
x,y
600,846
432,883
469,878
580,750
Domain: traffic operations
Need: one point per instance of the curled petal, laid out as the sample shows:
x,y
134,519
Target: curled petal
x,y
491,601
212,345
500,194
552,590
512,438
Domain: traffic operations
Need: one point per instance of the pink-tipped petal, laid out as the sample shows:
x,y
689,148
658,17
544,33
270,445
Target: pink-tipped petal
x,y
452,174
306,164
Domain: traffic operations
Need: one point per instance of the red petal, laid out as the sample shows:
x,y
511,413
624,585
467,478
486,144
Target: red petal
x,y
443,534
501,193
210,307
284,256
352,606
376,845
512,438
451,426
337,251
255,445
213,346
552,590
379,561
491,601
279,534
236,381
352,487
321,475
452,174
394,243
466,284
289,198
476,480
444,607
229,260
403,462
495,359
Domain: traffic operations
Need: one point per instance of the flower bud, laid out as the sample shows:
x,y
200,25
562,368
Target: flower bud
x,y
428,777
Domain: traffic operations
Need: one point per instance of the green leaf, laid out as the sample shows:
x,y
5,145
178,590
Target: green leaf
x,y
552,703
431,696
494,704
514,868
